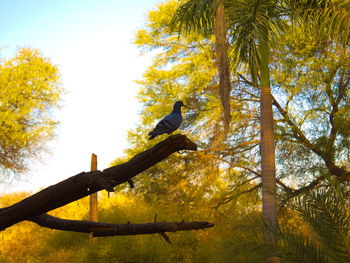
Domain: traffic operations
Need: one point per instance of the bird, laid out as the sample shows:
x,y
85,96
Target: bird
x,y
169,123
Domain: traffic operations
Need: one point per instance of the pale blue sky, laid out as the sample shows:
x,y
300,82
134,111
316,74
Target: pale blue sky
x,y
52,23
91,42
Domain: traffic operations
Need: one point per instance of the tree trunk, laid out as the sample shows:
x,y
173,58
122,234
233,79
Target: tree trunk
x,y
268,158
222,61
267,149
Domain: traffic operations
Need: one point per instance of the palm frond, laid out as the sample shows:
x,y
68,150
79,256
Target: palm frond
x,y
298,247
247,242
322,237
194,16
332,17
328,217
254,25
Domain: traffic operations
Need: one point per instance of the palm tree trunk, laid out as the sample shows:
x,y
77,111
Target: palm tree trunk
x,y
268,157
267,148
221,44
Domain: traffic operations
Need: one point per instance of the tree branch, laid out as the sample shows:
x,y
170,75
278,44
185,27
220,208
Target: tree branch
x,y
294,193
343,174
107,229
298,134
151,228
86,183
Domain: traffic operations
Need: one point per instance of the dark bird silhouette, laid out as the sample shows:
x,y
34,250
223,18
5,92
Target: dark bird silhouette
x,y
169,123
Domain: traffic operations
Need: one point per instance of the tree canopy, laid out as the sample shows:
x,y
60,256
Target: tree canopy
x,y
30,91
307,93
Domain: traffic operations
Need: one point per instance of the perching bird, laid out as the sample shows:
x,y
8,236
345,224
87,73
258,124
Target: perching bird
x,y
169,123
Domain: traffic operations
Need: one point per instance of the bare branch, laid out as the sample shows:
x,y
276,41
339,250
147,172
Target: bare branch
x,y
294,193
234,195
152,228
84,184
298,134
108,229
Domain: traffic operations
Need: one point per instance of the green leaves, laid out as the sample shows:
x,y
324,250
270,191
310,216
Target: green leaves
x,y
331,17
253,25
326,212
311,80
29,92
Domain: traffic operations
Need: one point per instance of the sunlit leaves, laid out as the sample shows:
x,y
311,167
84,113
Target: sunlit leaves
x,y
311,80
29,92
331,18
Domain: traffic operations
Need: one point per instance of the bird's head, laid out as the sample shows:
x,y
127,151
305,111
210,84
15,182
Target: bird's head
x,y
177,107
179,104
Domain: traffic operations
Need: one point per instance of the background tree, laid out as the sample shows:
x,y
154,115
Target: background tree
x,y
184,68
238,165
311,83
252,24
173,75
208,17
29,92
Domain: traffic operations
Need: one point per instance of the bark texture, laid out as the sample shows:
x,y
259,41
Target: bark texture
x,y
268,158
220,29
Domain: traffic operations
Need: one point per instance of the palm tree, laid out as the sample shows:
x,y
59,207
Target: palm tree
x,y
254,24
208,16
251,23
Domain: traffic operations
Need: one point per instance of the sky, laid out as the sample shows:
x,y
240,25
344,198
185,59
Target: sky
x,y
91,43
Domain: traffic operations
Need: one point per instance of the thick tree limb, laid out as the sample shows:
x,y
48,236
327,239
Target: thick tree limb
x,y
86,183
108,229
